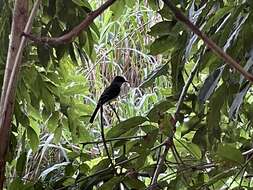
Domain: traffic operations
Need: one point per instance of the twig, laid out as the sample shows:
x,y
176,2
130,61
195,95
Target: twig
x,y
186,86
104,140
213,46
168,144
113,139
114,110
70,36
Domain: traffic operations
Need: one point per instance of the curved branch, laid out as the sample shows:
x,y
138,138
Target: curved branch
x,y
70,36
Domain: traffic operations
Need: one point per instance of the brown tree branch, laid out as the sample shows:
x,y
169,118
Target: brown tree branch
x,y
212,45
16,46
70,36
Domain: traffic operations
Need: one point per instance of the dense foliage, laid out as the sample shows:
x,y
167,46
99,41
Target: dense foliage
x,y
53,145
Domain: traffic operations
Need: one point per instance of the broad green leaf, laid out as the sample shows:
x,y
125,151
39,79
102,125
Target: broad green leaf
x,y
165,12
153,4
53,121
219,15
161,29
195,150
48,99
21,163
83,3
192,148
16,184
133,183
125,126
162,44
230,153
130,3
158,109
58,134
111,184
33,138
70,181
117,8
210,84
104,163
234,109
159,71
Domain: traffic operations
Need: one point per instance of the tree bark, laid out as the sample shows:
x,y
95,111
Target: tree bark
x,y
19,19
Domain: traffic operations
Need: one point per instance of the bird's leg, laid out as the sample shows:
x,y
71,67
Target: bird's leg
x,y
114,110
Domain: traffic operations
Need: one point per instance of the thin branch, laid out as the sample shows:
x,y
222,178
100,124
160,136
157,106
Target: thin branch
x,y
70,36
114,110
213,46
186,86
114,139
168,144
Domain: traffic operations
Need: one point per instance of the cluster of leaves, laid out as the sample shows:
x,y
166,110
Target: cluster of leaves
x,y
54,147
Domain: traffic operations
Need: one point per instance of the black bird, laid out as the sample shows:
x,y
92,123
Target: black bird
x,y
111,92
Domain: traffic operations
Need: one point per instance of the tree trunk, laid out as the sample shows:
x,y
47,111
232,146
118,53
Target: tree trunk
x,y
19,20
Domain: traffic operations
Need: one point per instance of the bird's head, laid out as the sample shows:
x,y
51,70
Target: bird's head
x,y
119,80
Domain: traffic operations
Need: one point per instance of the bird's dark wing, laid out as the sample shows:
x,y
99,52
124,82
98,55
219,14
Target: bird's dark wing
x,y
109,93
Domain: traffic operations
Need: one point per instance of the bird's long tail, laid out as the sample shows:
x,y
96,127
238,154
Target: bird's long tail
x,y
94,114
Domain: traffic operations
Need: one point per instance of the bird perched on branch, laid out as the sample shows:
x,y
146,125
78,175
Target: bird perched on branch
x,y
110,93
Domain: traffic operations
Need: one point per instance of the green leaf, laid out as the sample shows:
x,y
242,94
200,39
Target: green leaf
x,y
210,84
165,12
133,183
130,3
33,138
234,108
111,184
158,109
125,126
21,163
195,150
161,29
162,44
48,99
69,182
153,4
214,114
82,3
104,163
117,8
16,184
230,153
58,134
159,71
53,121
